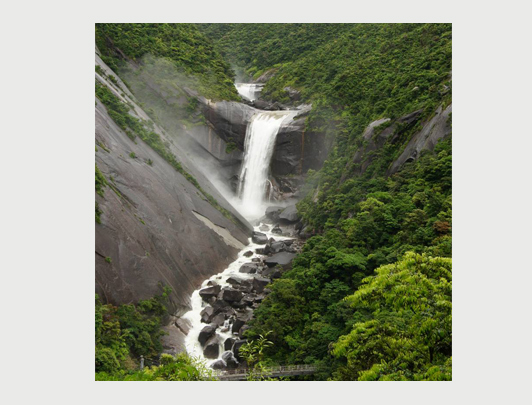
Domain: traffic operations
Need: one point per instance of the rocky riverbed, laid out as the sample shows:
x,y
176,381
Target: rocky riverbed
x,y
223,306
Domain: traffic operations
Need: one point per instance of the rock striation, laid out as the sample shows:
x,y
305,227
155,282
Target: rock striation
x,y
156,227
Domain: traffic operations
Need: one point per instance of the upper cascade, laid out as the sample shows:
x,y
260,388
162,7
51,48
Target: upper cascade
x,y
258,150
249,91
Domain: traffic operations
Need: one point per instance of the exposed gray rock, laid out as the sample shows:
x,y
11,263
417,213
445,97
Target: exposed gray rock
x,y
283,259
277,230
294,94
183,325
219,365
234,281
209,292
437,128
266,75
206,333
272,272
207,314
249,253
277,247
154,210
231,295
228,344
289,214
173,340
230,359
218,320
259,283
273,212
212,348
259,238
250,267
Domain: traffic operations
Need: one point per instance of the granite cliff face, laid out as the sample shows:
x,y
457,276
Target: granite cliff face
x,y
425,137
156,226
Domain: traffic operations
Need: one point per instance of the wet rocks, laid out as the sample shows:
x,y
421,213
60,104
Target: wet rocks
x,y
250,267
277,230
209,292
289,214
272,272
283,259
206,333
207,314
259,283
218,320
219,365
229,358
249,253
272,213
228,344
231,295
264,228
259,238
212,348
234,281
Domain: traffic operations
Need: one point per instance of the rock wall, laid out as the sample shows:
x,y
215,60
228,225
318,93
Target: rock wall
x,y
374,139
156,227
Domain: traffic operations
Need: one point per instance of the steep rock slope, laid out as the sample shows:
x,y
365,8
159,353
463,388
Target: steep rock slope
x,y
156,227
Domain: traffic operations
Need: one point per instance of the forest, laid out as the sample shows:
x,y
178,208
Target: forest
x,y
370,295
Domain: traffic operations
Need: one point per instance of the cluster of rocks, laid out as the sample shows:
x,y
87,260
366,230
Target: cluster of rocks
x,y
230,308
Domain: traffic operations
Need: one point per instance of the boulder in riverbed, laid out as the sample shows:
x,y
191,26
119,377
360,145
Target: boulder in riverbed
x,y
206,333
228,344
230,359
209,292
289,214
277,230
231,295
259,238
259,283
207,314
250,267
219,365
283,258
212,348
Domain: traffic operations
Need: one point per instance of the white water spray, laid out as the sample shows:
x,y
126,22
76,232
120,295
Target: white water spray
x,y
258,150
249,91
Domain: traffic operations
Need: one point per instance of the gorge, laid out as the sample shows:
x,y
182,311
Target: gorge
x,y
275,207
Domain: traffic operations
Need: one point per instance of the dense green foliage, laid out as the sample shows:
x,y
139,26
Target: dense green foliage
x,y
353,74
172,368
369,298
119,112
126,332
408,335
365,224
183,44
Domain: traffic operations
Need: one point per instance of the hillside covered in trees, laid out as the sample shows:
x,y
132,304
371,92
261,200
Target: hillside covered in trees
x,y
370,296
365,221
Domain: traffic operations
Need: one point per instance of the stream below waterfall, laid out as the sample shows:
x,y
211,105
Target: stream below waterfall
x,y
224,303
224,331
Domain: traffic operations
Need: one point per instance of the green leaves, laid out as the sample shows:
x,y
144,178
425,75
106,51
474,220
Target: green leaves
x,y
411,303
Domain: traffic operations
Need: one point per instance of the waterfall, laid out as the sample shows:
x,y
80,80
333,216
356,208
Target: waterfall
x,y
249,91
258,150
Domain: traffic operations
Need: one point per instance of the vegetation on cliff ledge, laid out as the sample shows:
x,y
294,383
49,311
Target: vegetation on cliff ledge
x,y
183,44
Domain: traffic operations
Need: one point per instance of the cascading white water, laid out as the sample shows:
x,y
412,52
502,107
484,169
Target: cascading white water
x,y
249,91
193,317
258,150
